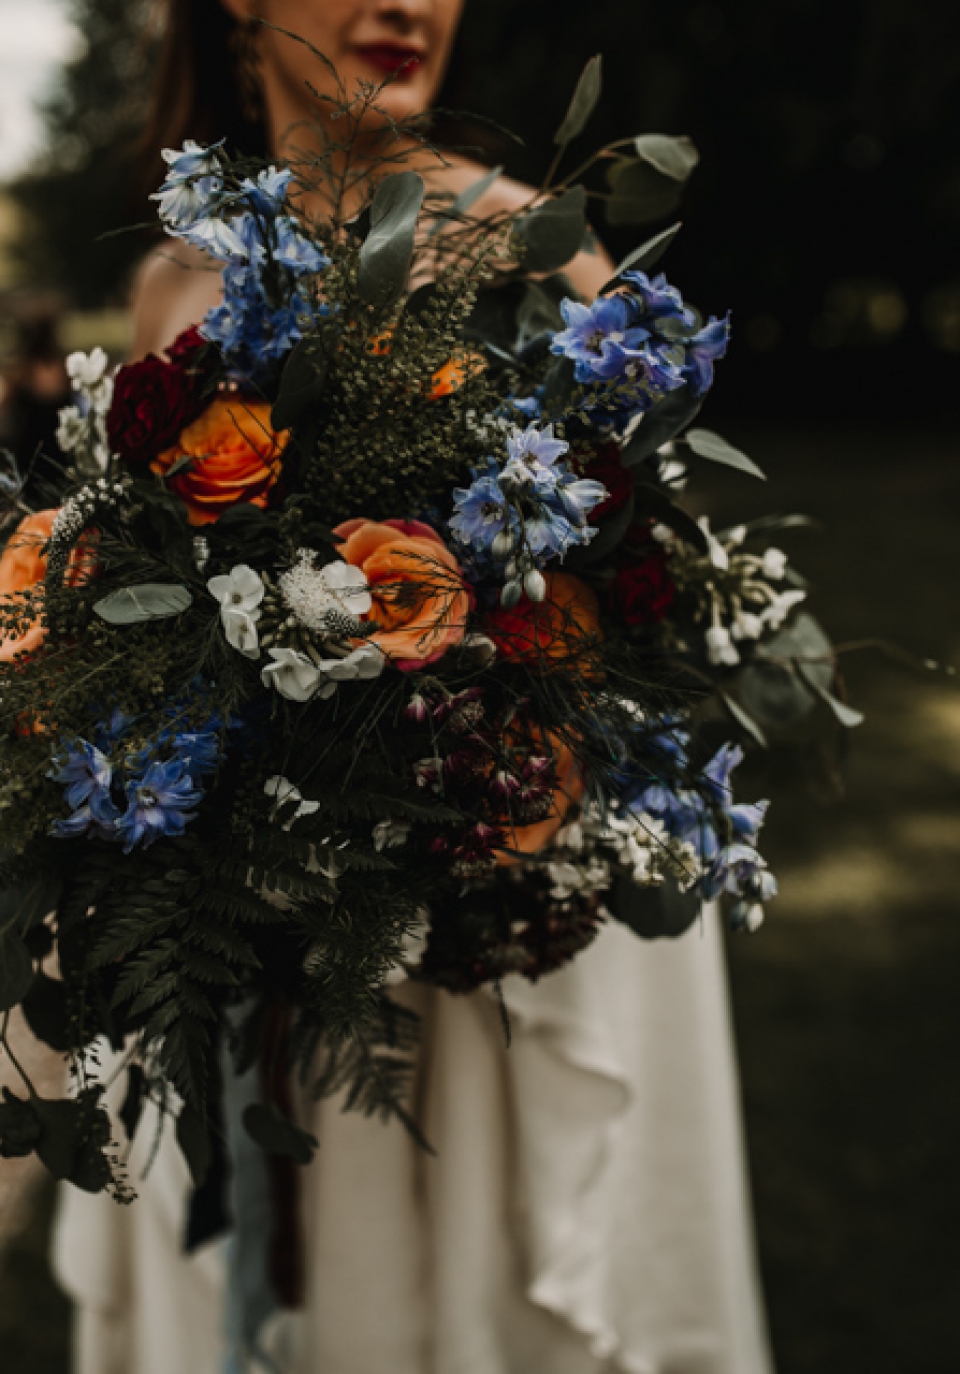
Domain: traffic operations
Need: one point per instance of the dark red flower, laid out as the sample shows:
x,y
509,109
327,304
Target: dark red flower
x,y
644,591
607,467
154,401
186,345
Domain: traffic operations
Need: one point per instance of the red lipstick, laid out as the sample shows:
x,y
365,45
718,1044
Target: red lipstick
x,y
391,59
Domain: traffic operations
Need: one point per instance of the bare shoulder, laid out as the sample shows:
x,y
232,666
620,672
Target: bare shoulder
x,y
174,287
588,271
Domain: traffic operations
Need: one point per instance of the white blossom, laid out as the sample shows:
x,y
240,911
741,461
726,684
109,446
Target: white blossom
x,y
294,676
746,625
329,600
285,791
362,663
240,630
239,589
71,428
776,613
774,564
720,647
239,592
86,370
390,835
717,554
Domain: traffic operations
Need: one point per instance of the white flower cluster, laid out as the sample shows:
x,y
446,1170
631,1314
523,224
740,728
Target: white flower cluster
x,y
327,600
588,853
295,675
82,430
78,511
735,591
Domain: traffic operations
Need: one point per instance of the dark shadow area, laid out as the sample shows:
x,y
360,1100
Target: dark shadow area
x,y
34,1314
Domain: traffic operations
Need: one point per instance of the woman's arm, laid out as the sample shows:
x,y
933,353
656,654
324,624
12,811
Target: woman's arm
x,y
173,290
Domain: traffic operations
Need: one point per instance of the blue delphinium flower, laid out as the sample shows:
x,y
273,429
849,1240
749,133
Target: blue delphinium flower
x,y
95,820
636,346
575,497
85,772
529,511
657,299
531,457
721,833
192,188
481,510
702,351
198,750
249,328
158,803
267,192
592,331
294,251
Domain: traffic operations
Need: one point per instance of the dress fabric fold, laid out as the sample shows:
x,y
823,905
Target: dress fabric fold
x,y
586,1211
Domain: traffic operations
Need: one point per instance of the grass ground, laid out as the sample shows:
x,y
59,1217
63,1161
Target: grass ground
x,y
846,1002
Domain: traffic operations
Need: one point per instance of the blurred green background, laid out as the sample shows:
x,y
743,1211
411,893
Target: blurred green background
x,y
826,215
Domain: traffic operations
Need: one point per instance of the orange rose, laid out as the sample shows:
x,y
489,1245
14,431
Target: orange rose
x,y
236,458
22,566
564,625
419,595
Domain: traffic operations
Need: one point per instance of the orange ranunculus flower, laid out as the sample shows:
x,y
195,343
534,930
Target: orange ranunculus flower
x,y
451,377
419,596
566,624
236,458
22,566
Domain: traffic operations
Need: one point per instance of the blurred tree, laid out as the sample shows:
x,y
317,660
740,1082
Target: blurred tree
x,y
84,184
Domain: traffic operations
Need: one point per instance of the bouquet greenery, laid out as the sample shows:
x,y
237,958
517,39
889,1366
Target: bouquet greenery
x,y
367,639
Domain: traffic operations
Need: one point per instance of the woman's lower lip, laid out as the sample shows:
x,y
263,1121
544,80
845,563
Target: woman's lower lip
x,y
400,63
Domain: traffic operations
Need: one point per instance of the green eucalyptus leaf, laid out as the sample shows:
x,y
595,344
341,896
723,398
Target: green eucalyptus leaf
x,y
608,536
193,1137
552,233
558,385
538,313
641,193
743,719
278,1136
672,156
774,695
16,970
388,249
709,445
848,716
583,102
654,503
28,903
661,424
644,257
301,384
655,913
149,601
466,200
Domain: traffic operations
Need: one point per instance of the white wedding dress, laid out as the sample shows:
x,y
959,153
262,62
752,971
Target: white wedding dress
x,y
586,1210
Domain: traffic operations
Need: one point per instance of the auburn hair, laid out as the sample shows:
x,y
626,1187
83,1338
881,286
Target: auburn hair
x,y
195,91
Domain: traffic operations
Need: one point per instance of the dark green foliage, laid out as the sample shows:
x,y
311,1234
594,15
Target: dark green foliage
x,y
278,1136
83,187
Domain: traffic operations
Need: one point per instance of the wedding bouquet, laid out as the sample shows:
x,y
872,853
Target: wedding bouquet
x,y
367,640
